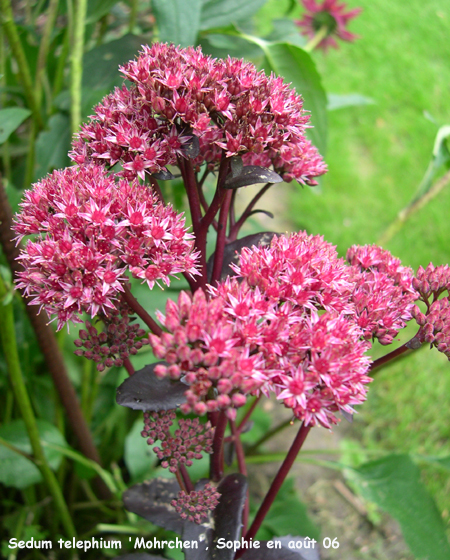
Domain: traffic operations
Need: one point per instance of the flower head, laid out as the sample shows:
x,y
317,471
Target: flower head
x,y
177,94
91,231
197,505
330,15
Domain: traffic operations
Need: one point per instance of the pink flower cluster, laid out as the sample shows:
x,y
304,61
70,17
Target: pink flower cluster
x,y
118,339
296,321
330,14
200,347
197,505
227,104
92,231
383,294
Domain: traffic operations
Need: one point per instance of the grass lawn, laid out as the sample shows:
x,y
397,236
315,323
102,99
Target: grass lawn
x,y
377,155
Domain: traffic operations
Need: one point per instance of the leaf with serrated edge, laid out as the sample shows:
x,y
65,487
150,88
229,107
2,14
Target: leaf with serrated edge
x,y
144,391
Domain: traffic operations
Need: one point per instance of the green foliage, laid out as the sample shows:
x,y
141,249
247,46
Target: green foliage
x,y
394,484
10,119
178,21
15,469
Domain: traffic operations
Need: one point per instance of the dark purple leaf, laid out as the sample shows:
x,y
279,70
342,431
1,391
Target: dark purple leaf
x,y
228,453
251,175
233,249
151,500
285,552
266,212
228,513
144,391
164,175
191,148
347,416
200,533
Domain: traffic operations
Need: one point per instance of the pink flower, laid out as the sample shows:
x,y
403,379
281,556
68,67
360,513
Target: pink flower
x,y
227,104
329,14
91,231
198,504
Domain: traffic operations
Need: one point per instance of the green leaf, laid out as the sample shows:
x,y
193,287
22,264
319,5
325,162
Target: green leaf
x,y
101,64
178,21
10,119
52,146
296,66
393,483
220,13
18,471
285,30
337,101
137,456
288,515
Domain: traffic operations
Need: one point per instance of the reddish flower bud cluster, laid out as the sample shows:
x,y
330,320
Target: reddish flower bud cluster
x,y
435,324
383,294
432,281
93,230
200,347
329,14
188,442
197,505
118,339
228,104
157,425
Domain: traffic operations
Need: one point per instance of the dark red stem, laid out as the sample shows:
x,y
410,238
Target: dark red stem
x,y
243,470
186,478
237,226
249,412
140,311
413,344
277,482
128,366
217,454
221,237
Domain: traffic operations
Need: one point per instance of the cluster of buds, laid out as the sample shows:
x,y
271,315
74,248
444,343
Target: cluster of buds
x,y
432,281
178,94
92,231
187,443
118,339
157,425
201,348
197,505
435,325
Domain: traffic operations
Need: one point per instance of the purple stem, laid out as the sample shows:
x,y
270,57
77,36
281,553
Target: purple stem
x,y
217,455
140,311
413,344
128,366
243,470
186,478
237,226
277,483
221,237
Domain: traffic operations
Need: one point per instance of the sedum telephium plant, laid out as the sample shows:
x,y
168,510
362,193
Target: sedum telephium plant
x,y
268,315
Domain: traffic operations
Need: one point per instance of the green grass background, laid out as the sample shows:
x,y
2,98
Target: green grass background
x,y
377,155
